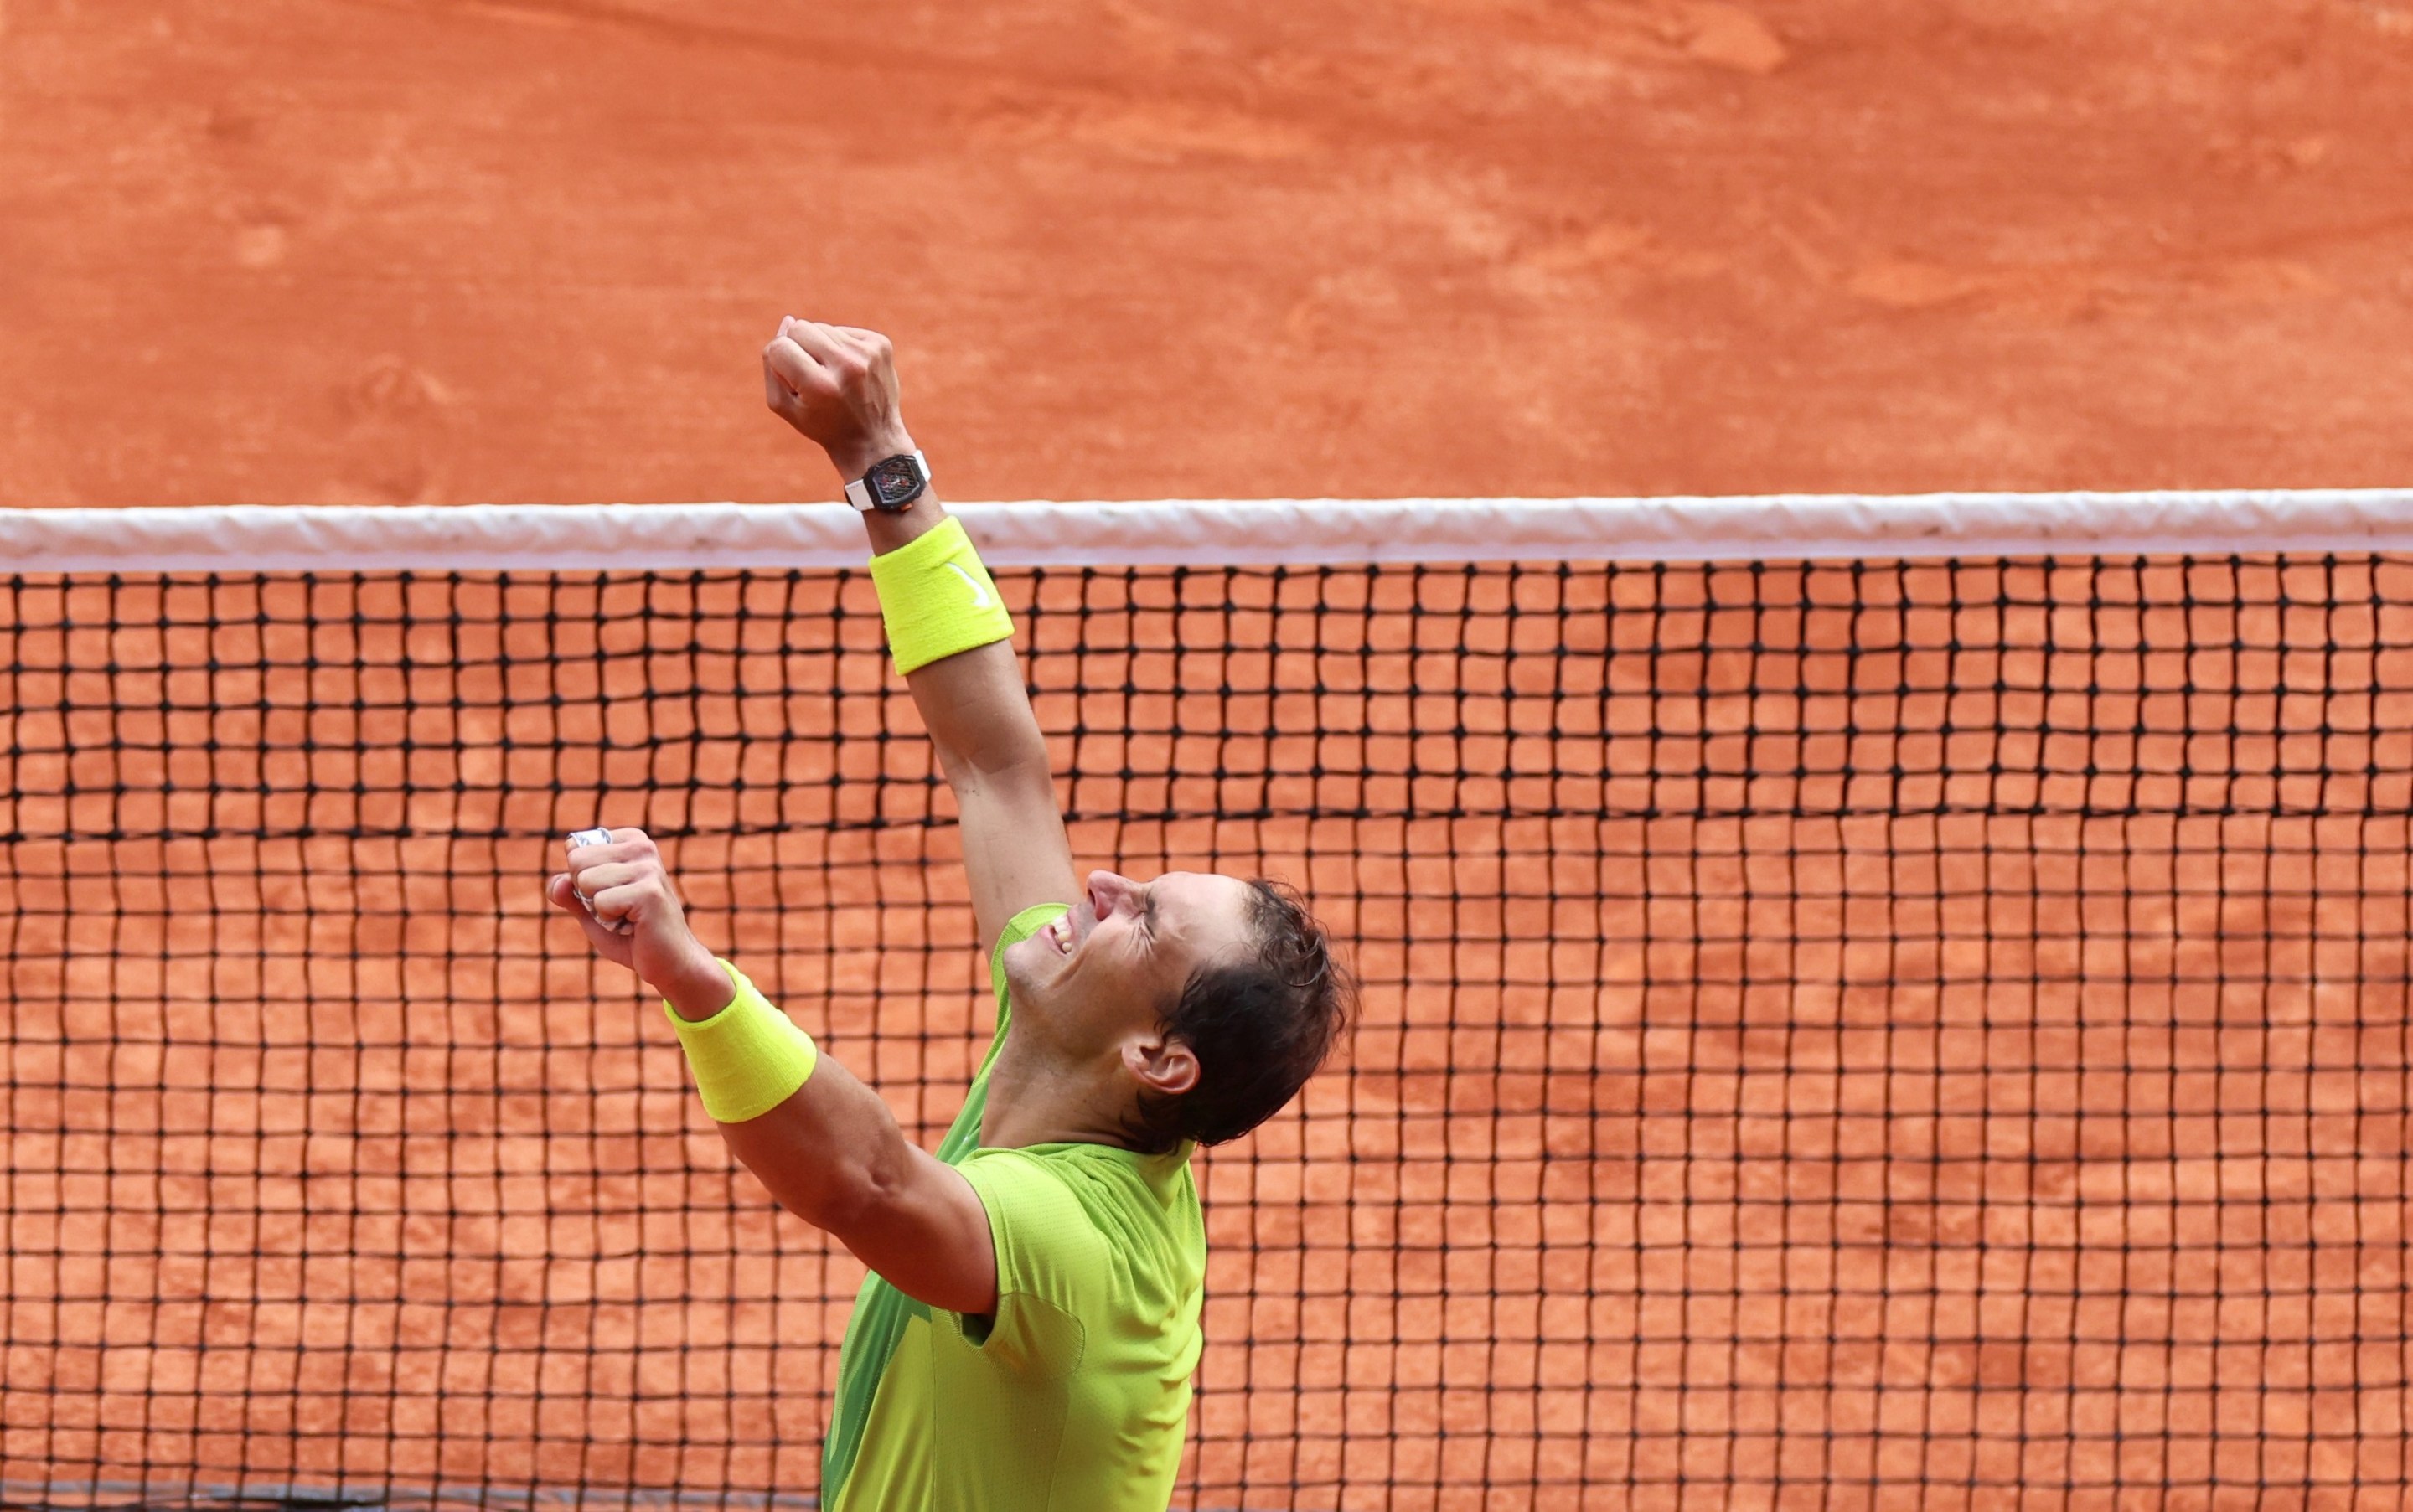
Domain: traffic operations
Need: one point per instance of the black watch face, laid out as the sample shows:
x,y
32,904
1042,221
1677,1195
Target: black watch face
x,y
894,483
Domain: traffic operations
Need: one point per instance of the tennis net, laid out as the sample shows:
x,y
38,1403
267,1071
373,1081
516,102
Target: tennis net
x,y
1868,1002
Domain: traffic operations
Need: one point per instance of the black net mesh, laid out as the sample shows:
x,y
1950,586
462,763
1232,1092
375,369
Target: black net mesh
x,y
1852,1035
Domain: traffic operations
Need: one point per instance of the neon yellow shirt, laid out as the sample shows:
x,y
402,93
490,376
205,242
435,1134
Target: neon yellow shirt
x,y
1074,1397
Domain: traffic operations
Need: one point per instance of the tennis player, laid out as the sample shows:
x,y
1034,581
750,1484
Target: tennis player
x,y
1025,1340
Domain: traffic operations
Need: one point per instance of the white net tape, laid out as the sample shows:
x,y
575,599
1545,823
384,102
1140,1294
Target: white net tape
x,y
1208,532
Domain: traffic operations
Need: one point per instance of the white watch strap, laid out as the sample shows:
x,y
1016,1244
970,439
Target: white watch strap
x,y
858,493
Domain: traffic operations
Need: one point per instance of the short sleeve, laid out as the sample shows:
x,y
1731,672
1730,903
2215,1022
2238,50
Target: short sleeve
x,y
1052,1266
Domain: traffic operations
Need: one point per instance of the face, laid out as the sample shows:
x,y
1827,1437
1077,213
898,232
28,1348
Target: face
x,y
1113,964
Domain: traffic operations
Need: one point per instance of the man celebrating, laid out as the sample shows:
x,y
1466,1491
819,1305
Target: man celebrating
x,y
1025,1340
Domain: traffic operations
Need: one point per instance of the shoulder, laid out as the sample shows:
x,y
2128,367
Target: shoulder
x,y
1091,1175
1050,1194
1086,1237
1089,1216
1035,1198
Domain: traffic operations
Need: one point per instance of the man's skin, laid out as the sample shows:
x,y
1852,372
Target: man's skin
x,y
1084,1042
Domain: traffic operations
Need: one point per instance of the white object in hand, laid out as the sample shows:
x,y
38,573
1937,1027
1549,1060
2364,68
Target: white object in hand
x,y
595,837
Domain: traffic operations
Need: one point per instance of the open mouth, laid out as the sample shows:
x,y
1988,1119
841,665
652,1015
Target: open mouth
x,y
1067,932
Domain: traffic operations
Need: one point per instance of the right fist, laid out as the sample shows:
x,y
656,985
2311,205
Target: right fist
x,y
837,385
624,883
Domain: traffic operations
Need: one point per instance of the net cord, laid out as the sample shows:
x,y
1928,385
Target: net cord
x,y
1200,532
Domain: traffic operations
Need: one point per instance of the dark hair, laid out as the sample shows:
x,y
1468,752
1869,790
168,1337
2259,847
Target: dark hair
x,y
1259,1027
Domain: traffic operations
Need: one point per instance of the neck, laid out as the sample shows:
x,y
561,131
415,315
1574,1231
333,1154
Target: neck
x,y
1037,1098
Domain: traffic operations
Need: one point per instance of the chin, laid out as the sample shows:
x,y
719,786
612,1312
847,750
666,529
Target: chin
x,y
1025,968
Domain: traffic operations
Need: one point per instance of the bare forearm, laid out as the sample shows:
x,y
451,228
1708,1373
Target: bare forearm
x,y
826,1146
979,717
837,386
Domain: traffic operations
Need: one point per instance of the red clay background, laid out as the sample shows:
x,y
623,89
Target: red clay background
x,y
440,250
1630,1201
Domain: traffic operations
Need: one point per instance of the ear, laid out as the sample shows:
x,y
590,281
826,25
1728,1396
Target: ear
x,y
1164,1066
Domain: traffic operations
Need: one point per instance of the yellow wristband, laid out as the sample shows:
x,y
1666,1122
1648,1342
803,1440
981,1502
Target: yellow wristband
x,y
936,597
748,1057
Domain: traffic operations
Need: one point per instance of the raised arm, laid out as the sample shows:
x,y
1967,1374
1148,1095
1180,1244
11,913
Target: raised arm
x,y
837,386
823,1144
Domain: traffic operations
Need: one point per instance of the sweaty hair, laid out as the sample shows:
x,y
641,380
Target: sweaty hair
x,y
1260,1027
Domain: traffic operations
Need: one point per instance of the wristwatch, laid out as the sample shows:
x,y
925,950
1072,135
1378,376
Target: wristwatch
x,y
891,485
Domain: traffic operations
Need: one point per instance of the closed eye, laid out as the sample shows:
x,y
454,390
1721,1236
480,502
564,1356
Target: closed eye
x,y
1148,913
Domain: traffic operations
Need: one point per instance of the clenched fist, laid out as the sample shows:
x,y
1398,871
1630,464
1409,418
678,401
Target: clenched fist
x,y
624,883
837,385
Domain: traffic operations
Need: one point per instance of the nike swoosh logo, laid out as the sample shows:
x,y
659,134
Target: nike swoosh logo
x,y
980,595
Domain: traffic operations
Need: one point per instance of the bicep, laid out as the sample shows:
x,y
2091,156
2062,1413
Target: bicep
x,y
833,1155
930,1237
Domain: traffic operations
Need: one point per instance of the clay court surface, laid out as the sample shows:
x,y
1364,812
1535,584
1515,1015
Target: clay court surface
x,y
1934,1037
454,250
